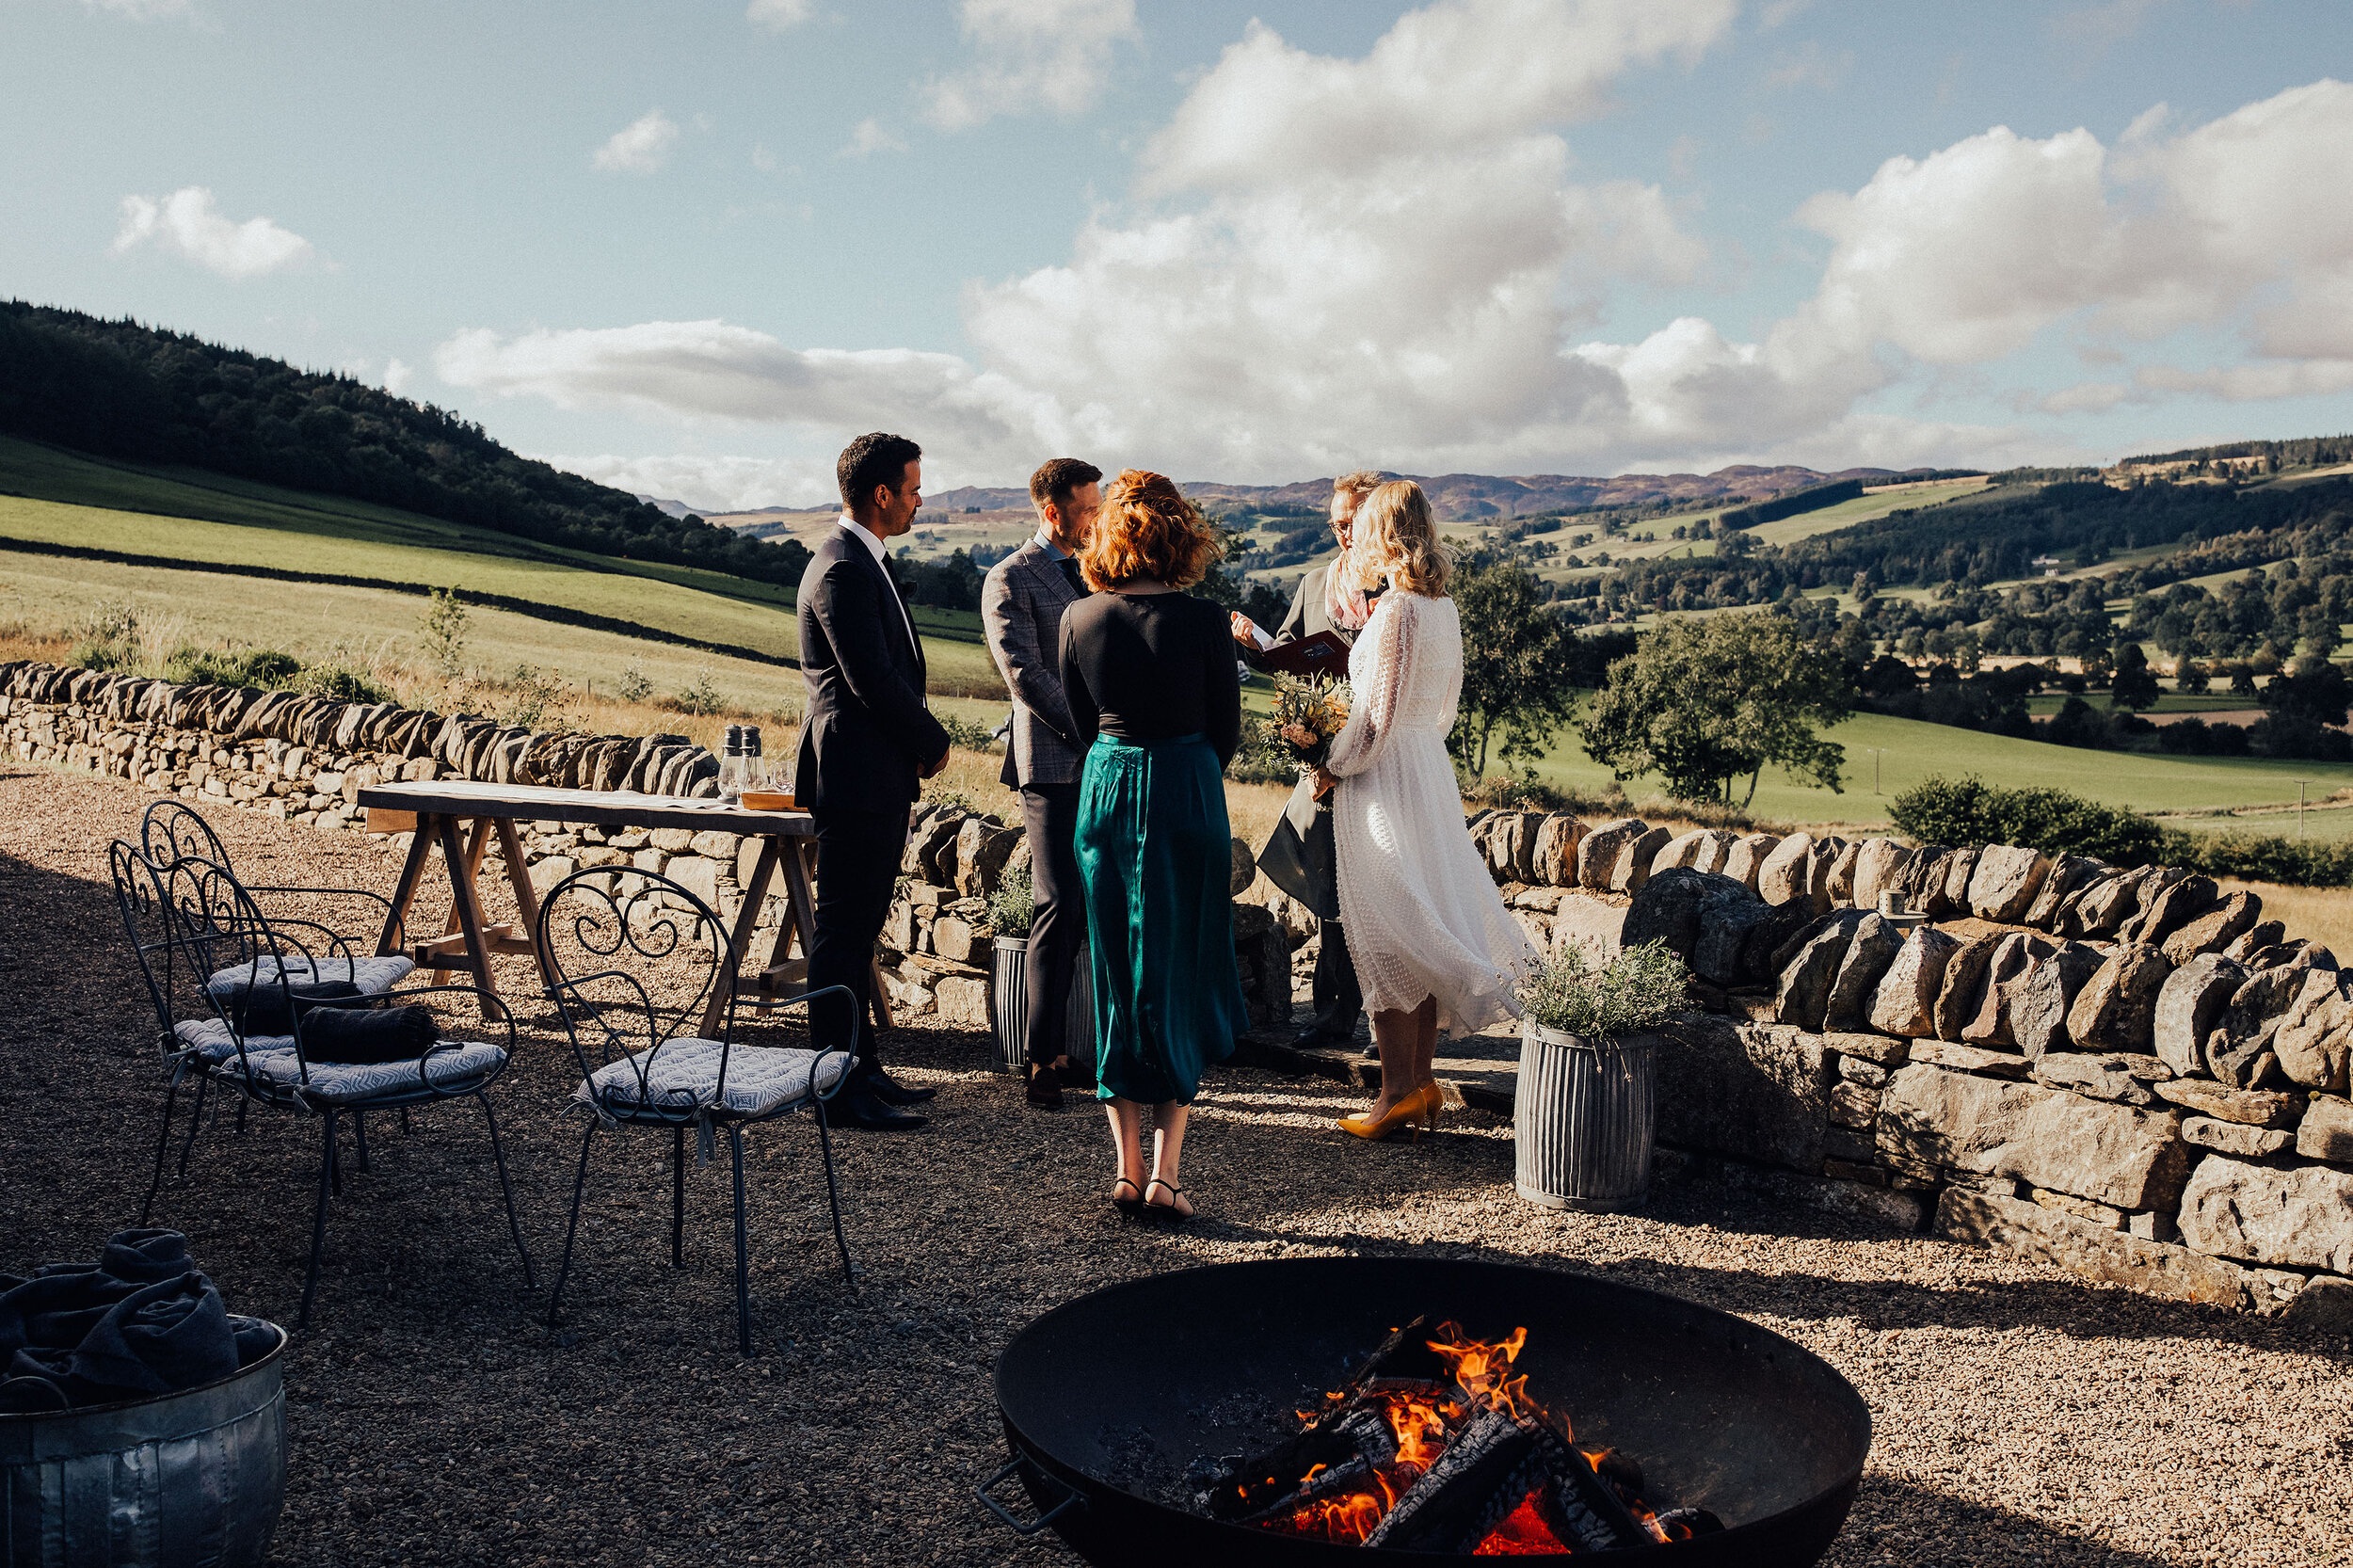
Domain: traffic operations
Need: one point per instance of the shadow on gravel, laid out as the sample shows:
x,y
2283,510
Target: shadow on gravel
x,y
1917,1526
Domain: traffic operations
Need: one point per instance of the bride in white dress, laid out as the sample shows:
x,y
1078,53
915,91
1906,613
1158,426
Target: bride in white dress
x,y
1435,947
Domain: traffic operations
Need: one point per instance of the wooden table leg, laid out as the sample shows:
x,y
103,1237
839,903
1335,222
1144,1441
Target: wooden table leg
x,y
478,840
405,891
467,909
526,896
739,938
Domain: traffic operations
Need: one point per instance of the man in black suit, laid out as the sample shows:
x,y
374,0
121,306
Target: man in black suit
x,y
1299,856
867,745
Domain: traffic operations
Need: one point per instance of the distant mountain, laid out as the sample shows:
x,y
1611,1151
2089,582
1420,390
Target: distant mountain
x,y
120,390
671,509
1467,497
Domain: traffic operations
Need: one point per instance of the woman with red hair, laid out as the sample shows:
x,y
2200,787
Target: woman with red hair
x,y
1149,673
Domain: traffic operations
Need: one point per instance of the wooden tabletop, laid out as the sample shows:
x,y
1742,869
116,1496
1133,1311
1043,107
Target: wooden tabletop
x,y
458,797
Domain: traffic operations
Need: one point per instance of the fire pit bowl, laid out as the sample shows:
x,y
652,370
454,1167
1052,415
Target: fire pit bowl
x,y
1107,1399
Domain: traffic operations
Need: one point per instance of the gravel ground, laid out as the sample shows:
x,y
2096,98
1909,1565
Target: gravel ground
x,y
2024,1417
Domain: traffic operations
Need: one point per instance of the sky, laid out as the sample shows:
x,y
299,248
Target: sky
x,y
691,248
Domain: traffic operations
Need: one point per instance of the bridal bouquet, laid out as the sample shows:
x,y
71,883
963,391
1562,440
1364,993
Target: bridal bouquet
x,y
1309,717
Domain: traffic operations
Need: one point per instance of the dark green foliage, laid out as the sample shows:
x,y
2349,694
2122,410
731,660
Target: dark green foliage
x,y
2270,857
2309,451
2134,685
127,390
263,667
1519,664
1970,811
953,584
1812,499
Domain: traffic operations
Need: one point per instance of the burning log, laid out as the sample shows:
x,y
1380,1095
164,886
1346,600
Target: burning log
x,y
1468,1464
1487,1470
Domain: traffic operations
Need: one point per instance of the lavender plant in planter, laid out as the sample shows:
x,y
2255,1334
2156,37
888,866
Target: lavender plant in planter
x,y
1586,1108
1010,910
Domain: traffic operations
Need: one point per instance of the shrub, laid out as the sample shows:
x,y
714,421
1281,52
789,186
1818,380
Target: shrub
x,y
2268,857
340,682
634,687
966,733
702,698
1013,905
263,667
1635,992
1967,811
443,628
540,698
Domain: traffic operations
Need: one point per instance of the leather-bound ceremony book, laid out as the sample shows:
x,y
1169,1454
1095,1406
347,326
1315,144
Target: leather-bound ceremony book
x,y
1323,654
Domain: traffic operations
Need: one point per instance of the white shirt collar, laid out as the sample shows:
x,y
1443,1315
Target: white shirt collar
x,y
874,545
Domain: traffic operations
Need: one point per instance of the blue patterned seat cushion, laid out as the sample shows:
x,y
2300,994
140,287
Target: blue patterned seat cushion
x,y
455,1070
684,1075
211,1038
374,976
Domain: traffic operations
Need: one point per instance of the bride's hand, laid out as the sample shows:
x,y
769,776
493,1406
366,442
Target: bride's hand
x,y
1245,631
1325,783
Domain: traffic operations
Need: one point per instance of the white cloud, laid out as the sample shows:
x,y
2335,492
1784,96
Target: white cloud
x,y
142,11
1393,259
640,146
1031,55
709,370
869,138
712,484
398,374
188,222
779,15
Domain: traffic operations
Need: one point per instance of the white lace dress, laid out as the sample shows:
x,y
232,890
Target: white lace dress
x,y
1422,915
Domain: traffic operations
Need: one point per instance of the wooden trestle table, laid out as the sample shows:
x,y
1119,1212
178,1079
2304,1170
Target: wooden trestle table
x,y
458,816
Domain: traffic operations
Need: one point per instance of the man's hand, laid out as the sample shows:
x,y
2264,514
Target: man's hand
x,y
936,767
1325,783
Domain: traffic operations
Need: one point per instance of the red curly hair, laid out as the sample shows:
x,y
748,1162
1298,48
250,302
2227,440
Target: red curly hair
x,y
1147,530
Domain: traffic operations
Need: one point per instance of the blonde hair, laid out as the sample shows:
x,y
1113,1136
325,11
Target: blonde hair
x,y
1397,538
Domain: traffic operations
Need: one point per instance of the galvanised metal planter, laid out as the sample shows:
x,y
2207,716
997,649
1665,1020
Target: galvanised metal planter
x,y
1584,1114
1009,1002
193,1480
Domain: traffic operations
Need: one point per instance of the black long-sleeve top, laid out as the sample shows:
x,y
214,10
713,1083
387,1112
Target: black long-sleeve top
x,y
1149,667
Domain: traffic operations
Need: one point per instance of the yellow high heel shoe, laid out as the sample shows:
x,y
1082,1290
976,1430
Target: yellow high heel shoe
x,y
1418,1110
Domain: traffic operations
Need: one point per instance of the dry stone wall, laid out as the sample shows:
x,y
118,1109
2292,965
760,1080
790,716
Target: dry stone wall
x,y
2126,1072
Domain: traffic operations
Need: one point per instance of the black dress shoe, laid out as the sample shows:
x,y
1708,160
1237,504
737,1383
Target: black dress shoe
x,y
891,1092
1044,1089
1313,1038
857,1106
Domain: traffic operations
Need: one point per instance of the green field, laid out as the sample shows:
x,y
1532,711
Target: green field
x,y
374,626
206,520
1912,751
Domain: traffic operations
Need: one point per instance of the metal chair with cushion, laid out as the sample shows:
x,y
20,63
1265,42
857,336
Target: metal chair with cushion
x,y
171,830
635,958
228,989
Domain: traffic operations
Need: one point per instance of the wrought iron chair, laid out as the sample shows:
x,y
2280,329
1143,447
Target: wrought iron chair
x,y
171,830
190,924
167,834
635,956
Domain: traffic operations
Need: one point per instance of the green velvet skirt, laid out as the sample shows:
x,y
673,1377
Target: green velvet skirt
x,y
1156,856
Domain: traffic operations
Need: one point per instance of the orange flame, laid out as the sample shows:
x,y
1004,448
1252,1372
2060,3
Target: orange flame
x,y
1482,1372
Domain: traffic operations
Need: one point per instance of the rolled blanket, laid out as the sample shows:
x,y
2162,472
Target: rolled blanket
x,y
140,1322
158,1339
355,1035
266,1008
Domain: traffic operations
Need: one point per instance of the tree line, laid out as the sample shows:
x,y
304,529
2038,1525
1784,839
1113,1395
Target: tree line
x,y
122,390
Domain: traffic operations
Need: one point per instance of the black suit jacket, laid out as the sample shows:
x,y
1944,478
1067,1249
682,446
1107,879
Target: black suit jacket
x,y
867,734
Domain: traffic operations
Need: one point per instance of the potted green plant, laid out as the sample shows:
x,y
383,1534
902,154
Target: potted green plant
x,y
1010,910
1585,1108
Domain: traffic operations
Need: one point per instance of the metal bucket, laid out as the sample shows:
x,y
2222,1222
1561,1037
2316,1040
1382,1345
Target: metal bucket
x,y
1584,1116
193,1480
1009,1002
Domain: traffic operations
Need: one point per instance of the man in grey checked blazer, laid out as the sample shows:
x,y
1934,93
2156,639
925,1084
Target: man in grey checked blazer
x,y
1022,606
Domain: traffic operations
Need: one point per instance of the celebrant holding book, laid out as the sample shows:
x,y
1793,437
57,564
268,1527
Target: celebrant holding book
x,y
1299,857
